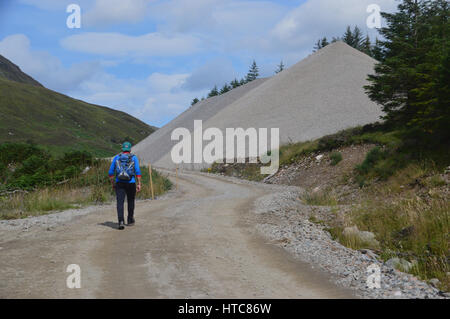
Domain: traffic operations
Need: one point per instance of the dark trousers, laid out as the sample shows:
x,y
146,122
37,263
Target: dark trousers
x,y
128,190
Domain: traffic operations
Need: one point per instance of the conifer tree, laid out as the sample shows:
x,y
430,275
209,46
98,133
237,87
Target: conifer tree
x,y
235,83
367,46
253,73
411,82
280,68
214,92
195,101
225,89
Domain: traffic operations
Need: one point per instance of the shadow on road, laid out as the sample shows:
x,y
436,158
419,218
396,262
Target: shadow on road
x,y
109,224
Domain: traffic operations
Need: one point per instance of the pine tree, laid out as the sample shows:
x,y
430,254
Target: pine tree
x,y
366,47
377,50
317,46
411,81
225,89
253,73
280,68
235,83
353,38
242,82
348,36
336,39
214,92
358,39
195,101
321,43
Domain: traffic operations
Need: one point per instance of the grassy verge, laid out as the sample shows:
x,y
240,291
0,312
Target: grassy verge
x,y
91,187
409,214
294,152
319,198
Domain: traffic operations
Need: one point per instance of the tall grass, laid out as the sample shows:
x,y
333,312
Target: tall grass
x,y
409,214
415,229
33,203
160,184
90,187
319,198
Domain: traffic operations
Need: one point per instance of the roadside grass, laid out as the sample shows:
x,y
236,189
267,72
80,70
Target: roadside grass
x,y
336,158
319,198
248,171
92,187
161,184
350,241
42,201
291,153
409,214
414,229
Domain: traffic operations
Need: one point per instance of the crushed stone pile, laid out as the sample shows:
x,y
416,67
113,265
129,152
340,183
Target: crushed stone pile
x,y
320,95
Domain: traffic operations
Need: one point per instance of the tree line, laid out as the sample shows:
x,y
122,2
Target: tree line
x,y
356,39
252,74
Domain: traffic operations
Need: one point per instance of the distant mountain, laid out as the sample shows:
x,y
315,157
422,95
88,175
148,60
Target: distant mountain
x,y
29,112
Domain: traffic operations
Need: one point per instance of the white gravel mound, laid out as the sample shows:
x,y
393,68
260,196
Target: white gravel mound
x,y
157,145
320,95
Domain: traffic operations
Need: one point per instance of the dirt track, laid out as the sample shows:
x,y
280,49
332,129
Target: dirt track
x,y
196,243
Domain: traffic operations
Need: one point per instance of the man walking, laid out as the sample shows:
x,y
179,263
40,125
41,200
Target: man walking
x,y
123,173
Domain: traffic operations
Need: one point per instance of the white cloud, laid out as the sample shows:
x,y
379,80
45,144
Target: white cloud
x,y
44,67
99,12
216,72
108,12
156,99
117,44
184,15
48,4
166,82
312,20
223,26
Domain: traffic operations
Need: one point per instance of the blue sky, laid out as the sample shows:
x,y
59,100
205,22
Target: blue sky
x,y
150,58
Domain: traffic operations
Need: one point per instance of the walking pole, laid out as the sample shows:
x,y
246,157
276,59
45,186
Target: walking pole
x,y
151,180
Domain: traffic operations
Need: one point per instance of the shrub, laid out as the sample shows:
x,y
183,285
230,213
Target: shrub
x,y
335,157
77,158
374,155
342,138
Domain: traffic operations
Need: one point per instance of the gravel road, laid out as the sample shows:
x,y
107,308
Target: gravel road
x,y
214,237
196,242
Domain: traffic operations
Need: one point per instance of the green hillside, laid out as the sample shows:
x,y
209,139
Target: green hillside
x,y
32,113
10,71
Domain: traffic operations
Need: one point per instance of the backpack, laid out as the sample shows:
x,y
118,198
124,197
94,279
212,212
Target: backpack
x,y
125,167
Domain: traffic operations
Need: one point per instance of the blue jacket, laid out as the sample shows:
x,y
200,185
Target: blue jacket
x,y
137,170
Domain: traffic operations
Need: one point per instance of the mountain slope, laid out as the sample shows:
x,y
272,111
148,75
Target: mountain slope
x,y
30,112
10,71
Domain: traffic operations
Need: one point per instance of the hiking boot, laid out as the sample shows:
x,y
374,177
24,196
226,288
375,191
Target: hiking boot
x,y
130,222
121,225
